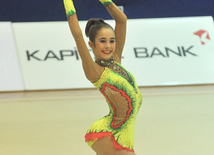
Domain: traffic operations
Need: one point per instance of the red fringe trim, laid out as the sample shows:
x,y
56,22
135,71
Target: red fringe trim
x,y
93,136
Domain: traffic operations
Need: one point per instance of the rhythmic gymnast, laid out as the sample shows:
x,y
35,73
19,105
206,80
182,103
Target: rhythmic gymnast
x,y
114,133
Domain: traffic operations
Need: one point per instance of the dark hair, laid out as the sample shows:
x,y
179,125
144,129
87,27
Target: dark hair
x,y
93,26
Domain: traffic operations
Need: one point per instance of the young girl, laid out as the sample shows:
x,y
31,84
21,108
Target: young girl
x,y
114,133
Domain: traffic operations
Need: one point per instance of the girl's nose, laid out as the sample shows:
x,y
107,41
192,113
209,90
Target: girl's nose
x,y
108,45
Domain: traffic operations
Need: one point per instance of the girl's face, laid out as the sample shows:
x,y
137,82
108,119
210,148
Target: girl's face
x,y
104,45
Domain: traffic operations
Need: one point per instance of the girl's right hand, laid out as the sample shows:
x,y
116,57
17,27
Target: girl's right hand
x,y
69,8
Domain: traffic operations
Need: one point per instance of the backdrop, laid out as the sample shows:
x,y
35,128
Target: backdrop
x,y
163,51
52,10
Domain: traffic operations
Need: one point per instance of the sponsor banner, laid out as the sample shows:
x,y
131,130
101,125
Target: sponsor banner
x,y
171,51
48,56
10,73
165,51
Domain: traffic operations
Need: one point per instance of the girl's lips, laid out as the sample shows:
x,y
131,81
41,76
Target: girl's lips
x,y
107,52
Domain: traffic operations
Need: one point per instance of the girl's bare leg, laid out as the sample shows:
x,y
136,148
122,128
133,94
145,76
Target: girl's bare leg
x,y
105,146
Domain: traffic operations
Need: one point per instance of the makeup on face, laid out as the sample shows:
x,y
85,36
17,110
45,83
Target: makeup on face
x,y
105,43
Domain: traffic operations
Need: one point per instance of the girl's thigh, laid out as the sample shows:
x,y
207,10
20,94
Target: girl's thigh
x,y
105,146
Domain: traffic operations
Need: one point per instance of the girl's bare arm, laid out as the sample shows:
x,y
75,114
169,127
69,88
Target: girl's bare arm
x,y
89,66
120,27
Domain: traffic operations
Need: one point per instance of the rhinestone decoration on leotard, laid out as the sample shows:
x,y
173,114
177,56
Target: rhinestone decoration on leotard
x,y
123,73
117,69
117,113
105,63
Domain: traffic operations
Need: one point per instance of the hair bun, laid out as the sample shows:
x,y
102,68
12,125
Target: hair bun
x,y
93,26
91,22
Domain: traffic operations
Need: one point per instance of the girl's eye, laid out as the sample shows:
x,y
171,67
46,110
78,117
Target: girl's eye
x,y
112,41
102,41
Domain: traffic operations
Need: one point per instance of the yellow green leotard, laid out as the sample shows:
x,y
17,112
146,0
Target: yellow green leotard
x,y
124,100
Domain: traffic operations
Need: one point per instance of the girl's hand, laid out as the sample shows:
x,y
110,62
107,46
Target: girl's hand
x,y
69,8
105,2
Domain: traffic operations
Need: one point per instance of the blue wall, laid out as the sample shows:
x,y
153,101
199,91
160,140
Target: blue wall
x,y
52,10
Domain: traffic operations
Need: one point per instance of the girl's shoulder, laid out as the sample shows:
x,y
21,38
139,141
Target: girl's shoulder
x,y
94,73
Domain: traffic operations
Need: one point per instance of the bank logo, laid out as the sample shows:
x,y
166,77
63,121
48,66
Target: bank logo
x,y
203,36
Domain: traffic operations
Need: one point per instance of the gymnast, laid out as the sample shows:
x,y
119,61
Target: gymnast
x,y
114,133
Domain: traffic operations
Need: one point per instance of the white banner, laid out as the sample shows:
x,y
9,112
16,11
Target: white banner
x,y
167,51
48,56
10,73
171,51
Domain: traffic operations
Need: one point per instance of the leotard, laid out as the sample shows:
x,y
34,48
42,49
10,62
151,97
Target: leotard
x,y
124,100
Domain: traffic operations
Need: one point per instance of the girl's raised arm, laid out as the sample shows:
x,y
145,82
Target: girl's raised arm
x,y
87,61
120,27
